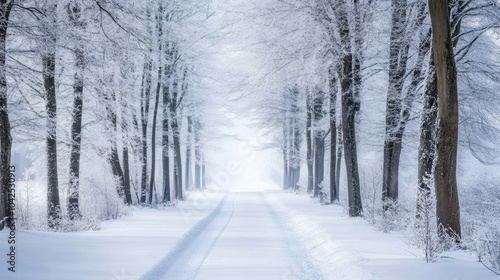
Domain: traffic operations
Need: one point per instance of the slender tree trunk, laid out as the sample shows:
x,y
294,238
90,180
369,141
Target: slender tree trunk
x,y
295,138
188,179
145,98
204,173
5,136
166,144
339,158
427,148
177,144
333,195
285,168
159,25
113,159
310,160
197,155
447,205
319,143
153,145
145,103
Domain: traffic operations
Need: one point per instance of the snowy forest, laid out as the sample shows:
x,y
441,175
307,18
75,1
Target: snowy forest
x,y
360,135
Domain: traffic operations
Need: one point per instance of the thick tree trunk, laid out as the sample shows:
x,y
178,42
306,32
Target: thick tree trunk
x,y
398,108
310,160
349,108
397,68
447,205
334,195
49,63
5,136
76,139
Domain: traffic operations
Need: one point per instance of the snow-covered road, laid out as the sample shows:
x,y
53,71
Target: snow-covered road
x,y
243,238
238,235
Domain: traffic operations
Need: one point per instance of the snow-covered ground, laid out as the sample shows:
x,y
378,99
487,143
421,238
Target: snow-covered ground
x,y
240,235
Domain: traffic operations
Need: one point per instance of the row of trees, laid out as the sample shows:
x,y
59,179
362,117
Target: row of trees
x,y
319,91
108,79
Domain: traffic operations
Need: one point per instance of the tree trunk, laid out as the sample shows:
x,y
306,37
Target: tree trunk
x,y
397,68
204,173
333,195
310,161
113,159
145,102
176,138
447,205
153,139
188,179
349,109
197,155
49,63
153,143
427,147
145,97
159,25
5,136
339,158
319,144
285,168
166,144
76,139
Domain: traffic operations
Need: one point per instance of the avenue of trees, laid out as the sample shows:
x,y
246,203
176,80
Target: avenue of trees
x,y
103,97
366,90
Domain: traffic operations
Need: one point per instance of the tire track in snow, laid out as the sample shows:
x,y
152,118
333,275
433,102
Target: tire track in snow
x,y
185,260
305,268
318,255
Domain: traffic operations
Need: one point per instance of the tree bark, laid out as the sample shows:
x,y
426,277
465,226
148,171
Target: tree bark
x,y
76,139
145,97
310,160
145,102
5,136
113,159
334,195
48,73
398,53
339,158
319,143
176,138
189,178
447,205
159,28
197,155
349,109
166,144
